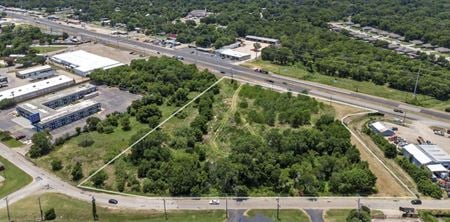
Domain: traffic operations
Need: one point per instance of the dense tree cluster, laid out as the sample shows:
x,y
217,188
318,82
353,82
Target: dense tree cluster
x,y
42,144
17,40
417,19
421,176
305,161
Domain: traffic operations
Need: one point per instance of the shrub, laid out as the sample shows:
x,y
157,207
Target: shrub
x,y
56,165
86,141
50,214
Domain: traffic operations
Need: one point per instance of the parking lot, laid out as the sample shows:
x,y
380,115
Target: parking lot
x,y
111,98
413,130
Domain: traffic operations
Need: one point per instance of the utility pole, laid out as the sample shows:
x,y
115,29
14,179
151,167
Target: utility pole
x,y
94,209
165,211
7,209
226,207
278,208
417,83
40,209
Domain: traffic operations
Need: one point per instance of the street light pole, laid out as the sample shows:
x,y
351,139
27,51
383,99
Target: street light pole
x,y
278,208
226,207
40,209
165,211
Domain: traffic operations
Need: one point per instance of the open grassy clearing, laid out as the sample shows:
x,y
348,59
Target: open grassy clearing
x,y
284,215
9,141
299,72
434,215
69,209
340,215
15,178
386,184
47,49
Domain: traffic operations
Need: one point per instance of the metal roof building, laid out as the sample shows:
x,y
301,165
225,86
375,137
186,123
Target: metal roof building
x,y
262,39
36,89
424,154
232,54
83,63
37,72
378,127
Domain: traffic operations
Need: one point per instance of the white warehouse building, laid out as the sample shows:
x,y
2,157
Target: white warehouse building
x,y
83,63
38,72
36,89
424,154
233,54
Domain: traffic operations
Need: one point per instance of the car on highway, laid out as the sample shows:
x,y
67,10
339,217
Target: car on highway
x,y
113,201
214,202
398,110
416,202
222,72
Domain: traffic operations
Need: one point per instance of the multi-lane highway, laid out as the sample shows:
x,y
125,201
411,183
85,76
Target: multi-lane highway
x,y
44,181
242,73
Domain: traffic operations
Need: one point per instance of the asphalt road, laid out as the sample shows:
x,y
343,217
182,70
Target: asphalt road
x,y
241,73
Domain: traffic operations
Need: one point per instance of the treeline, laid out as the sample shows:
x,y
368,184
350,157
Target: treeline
x,y
421,176
389,149
319,50
426,20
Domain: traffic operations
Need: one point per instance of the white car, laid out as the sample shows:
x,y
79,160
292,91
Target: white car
x,y
214,202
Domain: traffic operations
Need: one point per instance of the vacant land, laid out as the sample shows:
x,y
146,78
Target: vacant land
x,y
69,209
434,215
47,49
14,178
349,84
284,215
339,215
9,141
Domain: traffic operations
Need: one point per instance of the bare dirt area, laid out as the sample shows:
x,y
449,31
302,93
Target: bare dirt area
x,y
414,129
387,185
248,48
121,55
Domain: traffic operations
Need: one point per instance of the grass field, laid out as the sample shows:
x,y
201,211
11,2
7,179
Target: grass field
x,y
339,215
68,209
47,49
14,178
432,215
9,141
370,88
285,215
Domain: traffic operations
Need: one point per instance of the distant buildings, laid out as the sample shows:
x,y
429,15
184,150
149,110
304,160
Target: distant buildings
x,y
35,73
197,14
83,63
442,50
36,89
232,54
54,111
262,39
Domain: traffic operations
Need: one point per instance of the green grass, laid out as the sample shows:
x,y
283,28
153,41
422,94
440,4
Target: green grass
x,y
69,209
434,215
47,49
15,178
285,215
339,215
9,141
105,147
299,72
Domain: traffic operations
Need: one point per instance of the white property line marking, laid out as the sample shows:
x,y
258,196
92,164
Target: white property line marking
x,y
373,154
149,132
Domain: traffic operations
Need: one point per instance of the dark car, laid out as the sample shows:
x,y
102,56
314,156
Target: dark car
x,y
416,202
222,72
113,201
398,110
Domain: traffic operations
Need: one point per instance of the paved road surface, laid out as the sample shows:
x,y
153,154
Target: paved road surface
x,y
213,63
315,215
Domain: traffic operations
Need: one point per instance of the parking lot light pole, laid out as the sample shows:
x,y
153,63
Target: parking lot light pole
x,y
278,208
165,211
226,207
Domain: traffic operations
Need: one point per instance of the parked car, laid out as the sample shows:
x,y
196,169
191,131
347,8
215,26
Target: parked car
x,y
214,202
113,201
416,202
398,110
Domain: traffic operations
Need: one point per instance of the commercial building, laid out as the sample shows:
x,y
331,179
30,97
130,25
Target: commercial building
x,y
34,73
262,39
425,154
53,111
378,127
36,89
83,63
234,55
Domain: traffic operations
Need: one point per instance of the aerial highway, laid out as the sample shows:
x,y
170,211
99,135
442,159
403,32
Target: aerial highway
x,y
379,104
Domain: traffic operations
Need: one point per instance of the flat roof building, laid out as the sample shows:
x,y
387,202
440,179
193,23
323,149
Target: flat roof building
x,y
83,63
62,108
34,73
424,154
234,55
36,89
378,127
262,39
